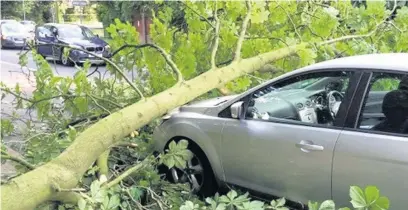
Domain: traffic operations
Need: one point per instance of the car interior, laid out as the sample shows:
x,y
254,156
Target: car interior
x,y
314,100
394,108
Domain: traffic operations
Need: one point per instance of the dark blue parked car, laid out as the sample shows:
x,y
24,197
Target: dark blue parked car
x,y
70,34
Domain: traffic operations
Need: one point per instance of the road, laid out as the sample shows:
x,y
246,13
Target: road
x,y
11,74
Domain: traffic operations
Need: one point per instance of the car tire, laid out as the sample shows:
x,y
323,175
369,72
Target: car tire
x,y
206,179
65,61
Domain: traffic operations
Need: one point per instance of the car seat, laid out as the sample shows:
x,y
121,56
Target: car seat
x,y
395,109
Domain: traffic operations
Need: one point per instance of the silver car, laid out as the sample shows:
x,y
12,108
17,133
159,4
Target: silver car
x,y
306,135
14,35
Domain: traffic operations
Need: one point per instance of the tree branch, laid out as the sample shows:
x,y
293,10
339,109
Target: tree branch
x,y
202,17
100,57
98,105
165,55
21,161
58,96
125,174
126,144
293,23
241,38
217,38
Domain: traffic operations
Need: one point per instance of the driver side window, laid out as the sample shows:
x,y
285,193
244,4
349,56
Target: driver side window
x,y
313,98
43,32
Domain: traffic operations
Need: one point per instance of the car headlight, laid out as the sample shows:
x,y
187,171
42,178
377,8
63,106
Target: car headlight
x,y
107,48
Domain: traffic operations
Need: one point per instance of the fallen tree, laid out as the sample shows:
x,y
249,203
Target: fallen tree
x,y
44,183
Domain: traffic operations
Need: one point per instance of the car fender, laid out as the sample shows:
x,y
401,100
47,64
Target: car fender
x,y
184,128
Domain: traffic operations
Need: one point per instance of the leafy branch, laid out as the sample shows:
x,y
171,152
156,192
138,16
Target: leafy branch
x,y
165,55
6,156
107,60
201,17
237,54
217,37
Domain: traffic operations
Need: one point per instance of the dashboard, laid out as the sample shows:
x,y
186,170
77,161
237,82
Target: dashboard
x,y
309,106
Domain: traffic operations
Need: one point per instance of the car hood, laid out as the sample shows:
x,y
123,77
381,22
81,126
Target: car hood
x,y
93,42
203,105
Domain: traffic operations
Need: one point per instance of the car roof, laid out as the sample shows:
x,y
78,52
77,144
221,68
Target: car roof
x,y
390,61
62,24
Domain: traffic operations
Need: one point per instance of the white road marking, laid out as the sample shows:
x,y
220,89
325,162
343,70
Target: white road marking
x,y
16,65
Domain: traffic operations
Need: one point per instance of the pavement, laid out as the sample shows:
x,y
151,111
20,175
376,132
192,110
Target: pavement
x,y
11,74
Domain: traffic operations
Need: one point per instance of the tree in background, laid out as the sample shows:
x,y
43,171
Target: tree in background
x,y
107,163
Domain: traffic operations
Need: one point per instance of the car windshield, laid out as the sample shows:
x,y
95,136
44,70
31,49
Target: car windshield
x,y
301,84
12,28
27,23
75,32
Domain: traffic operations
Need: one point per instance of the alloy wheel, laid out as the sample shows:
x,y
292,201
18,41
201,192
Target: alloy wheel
x,y
192,174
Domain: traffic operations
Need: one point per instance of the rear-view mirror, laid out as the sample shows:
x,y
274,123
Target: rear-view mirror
x,y
237,110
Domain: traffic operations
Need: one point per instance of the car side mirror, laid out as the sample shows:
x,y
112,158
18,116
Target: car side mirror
x,y
237,110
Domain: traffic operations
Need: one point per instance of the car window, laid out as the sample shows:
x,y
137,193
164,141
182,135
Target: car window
x,y
12,28
74,31
312,98
43,32
385,107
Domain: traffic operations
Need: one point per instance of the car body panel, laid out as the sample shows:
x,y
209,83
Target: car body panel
x,y
275,165
365,159
247,157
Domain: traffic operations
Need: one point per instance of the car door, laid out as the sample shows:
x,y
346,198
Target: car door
x,y
372,150
287,151
44,36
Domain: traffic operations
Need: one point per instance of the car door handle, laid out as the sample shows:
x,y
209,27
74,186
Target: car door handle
x,y
307,146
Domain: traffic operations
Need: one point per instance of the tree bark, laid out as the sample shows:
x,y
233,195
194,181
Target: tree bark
x,y
38,186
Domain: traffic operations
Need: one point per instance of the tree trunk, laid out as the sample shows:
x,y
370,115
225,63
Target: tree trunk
x,y
37,186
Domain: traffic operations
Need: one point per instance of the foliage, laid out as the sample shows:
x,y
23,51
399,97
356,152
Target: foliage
x,y
368,200
66,106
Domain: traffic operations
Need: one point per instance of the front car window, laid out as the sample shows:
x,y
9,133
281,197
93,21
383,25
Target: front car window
x,y
12,28
385,107
44,32
75,32
312,98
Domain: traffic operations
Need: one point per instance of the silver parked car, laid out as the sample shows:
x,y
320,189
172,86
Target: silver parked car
x,y
14,35
306,135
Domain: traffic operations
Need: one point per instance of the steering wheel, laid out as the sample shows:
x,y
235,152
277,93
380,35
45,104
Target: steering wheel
x,y
334,102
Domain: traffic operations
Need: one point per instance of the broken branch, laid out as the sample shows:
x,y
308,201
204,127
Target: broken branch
x,y
241,37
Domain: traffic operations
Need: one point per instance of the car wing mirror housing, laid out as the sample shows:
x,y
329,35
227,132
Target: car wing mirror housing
x,y
237,110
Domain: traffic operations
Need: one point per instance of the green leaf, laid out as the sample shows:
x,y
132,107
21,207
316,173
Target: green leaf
x,y
170,162
382,203
72,133
183,144
327,205
188,205
136,193
114,202
81,204
281,202
313,205
357,197
371,194
172,145
251,205
95,187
